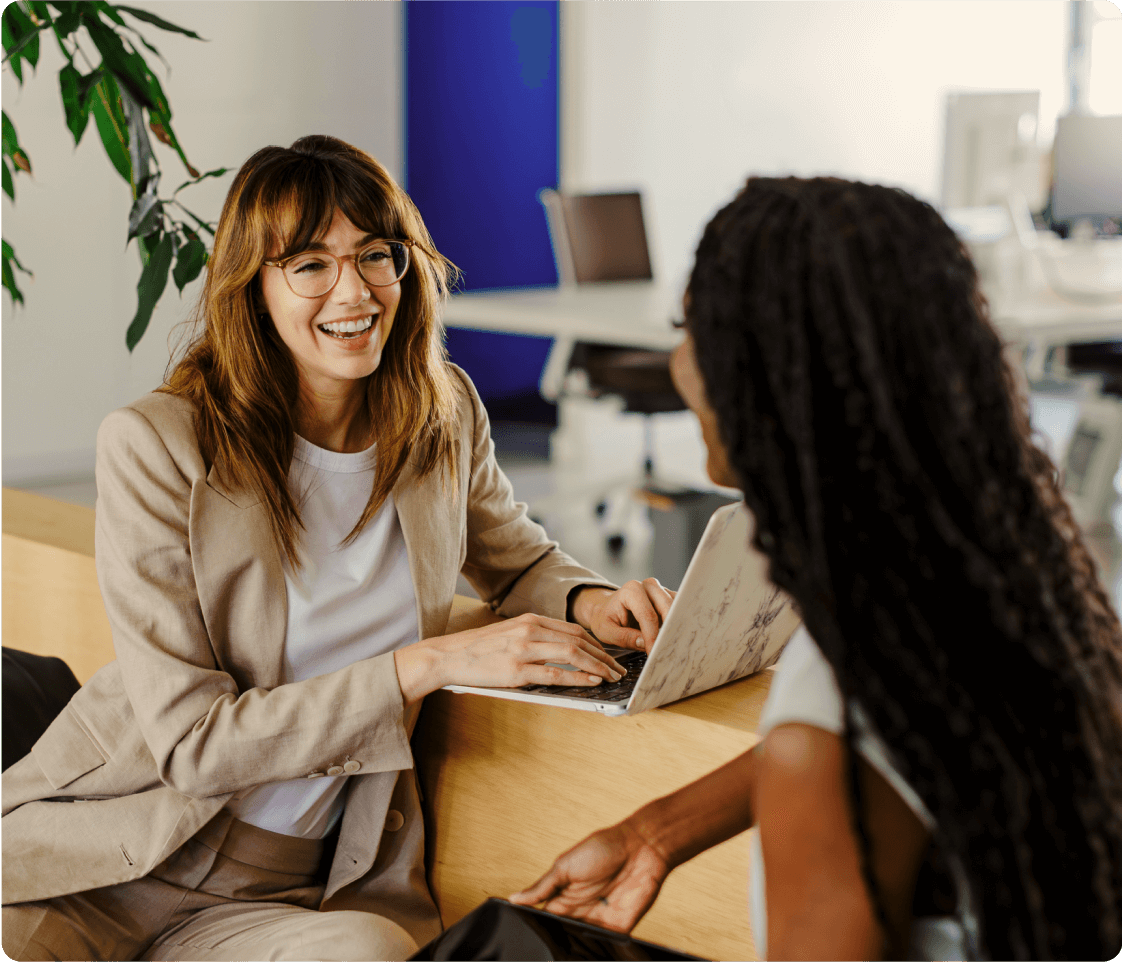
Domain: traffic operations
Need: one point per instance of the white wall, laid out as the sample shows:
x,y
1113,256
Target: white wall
x,y
686,99
682,99
271,72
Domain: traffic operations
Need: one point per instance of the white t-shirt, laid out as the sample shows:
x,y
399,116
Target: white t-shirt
x,y
346,603
804,690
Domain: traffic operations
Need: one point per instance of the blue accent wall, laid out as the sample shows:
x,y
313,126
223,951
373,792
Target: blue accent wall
x,y
481,139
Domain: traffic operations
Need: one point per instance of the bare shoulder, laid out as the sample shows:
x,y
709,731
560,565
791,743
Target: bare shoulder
x,y
818,901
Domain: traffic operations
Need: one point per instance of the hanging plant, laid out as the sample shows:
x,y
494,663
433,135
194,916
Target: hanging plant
x,y
128,107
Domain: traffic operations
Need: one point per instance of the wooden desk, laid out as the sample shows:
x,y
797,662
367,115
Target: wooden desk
x,y
52,604
509,786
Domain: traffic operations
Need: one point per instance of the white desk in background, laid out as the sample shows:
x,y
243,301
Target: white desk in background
x,y
636,314
1044,320
641,313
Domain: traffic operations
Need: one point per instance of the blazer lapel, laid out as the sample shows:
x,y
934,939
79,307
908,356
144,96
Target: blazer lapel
x,y
424,511
240,580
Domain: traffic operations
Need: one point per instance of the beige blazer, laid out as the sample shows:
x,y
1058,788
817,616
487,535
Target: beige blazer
x,y
193,709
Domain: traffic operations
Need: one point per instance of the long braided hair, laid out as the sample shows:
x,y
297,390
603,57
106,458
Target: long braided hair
x,y
884,448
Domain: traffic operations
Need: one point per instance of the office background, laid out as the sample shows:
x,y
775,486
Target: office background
x,y
680,100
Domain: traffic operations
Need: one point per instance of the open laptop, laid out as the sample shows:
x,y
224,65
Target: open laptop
x,y
727,621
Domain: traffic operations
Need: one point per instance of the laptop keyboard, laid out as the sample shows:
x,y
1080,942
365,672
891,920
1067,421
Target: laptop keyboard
x,y
614,691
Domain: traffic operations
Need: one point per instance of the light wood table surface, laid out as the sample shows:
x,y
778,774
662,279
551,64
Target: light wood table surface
x,y
52,604
509,786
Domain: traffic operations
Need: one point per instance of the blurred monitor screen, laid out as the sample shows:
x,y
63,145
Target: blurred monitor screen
x,y
1087,168
989,149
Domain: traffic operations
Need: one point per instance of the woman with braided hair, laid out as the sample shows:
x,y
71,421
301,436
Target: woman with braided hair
x,y
952,708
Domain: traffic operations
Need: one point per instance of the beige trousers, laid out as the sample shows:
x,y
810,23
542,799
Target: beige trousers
x,y
233,891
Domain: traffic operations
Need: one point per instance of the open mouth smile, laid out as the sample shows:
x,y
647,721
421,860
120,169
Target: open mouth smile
x,y
346,330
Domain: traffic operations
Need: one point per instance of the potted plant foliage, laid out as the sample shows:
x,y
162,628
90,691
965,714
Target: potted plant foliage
x,y
106,75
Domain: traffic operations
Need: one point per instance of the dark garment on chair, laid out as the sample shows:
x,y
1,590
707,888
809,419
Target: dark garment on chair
x,y
36,689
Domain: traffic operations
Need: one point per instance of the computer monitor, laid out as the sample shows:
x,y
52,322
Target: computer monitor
x,y
597,237
1087,168
989,149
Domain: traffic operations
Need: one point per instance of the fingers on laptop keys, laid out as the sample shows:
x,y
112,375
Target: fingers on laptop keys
x,y
563,643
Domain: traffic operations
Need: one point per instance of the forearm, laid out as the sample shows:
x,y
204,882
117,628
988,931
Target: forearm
x,y
702,814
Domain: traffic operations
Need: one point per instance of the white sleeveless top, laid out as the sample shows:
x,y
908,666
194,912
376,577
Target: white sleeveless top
x,y
346,603
804,690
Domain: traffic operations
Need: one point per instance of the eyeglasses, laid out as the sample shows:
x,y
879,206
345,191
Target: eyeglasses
x,y
315,273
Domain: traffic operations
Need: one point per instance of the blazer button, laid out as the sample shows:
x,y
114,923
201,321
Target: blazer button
x,y
314,775
394,820
351,767
335,770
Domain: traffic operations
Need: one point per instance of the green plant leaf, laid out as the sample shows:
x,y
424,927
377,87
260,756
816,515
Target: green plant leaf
x,y
68,19
14,155
10,284
112,126
193,257
74,103
150,48
8,133
109,10
153,280
189,263
10,254
9,183
11,35
87,82
128,67
160,116
21,39
142,243
31,51
28,47
158,21
194,180
10,262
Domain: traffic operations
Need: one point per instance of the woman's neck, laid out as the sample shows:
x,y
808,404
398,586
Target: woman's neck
x,y
336,422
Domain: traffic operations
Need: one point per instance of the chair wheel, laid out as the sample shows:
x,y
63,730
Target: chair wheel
x,y
616,543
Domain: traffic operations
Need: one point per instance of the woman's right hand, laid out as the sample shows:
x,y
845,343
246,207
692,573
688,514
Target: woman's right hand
x,y
508,654
610,879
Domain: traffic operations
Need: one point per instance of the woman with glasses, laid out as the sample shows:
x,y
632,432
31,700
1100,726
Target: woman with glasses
x,y
279,531
940,771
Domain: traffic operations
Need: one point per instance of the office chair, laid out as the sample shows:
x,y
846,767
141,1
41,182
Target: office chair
x,y
600,238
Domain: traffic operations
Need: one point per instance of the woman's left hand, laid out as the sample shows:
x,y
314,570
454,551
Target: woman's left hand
x,y
629,617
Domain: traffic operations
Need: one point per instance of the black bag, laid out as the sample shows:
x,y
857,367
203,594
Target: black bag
x,y
499,930
36,689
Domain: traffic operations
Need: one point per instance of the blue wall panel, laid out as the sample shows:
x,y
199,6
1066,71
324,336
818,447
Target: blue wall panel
x,y
481,141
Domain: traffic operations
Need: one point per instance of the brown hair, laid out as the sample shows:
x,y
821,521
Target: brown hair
x,y
240,375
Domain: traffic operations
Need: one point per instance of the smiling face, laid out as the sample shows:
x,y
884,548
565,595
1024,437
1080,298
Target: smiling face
x,y
336,339
687,379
